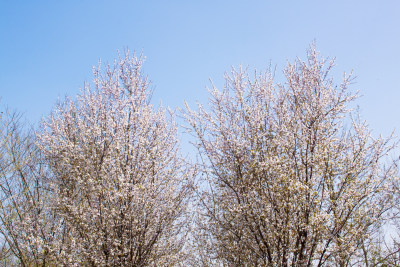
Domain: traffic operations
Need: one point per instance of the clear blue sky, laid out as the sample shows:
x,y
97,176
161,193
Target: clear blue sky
x,y
48,48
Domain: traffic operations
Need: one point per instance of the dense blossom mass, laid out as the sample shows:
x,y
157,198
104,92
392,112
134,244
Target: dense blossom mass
x,y
118,188
291,177
288,175
121,187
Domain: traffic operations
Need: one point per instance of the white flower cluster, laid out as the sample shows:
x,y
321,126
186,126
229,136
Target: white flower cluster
x,y
285,182
287,176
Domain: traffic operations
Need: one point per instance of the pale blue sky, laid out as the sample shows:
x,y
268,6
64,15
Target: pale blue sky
x,y
48,48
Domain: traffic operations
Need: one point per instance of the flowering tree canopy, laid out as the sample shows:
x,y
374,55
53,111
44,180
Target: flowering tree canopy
x,y
288,175
28,227
291,176
121,187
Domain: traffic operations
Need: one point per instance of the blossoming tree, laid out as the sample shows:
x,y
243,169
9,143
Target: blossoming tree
x,y
121,187
27,225
291,175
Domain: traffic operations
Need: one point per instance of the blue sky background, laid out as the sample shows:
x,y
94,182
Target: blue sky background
x,y
48,48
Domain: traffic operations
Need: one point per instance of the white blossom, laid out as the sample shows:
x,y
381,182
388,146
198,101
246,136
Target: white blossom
x,y
120,184
291,176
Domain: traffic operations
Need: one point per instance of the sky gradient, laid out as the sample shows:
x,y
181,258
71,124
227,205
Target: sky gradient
x,y
48,48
